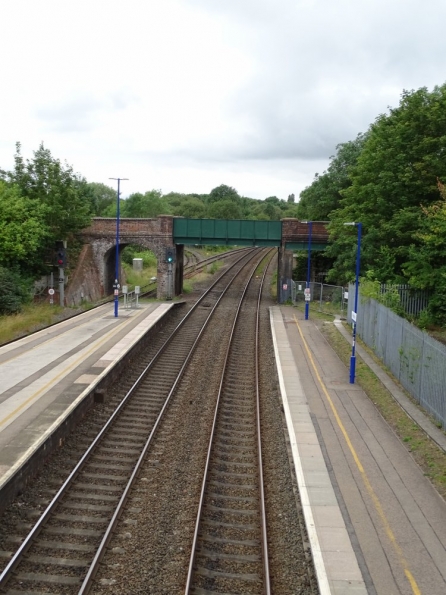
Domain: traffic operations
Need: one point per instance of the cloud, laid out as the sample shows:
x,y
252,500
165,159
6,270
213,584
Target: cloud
x,y
203,92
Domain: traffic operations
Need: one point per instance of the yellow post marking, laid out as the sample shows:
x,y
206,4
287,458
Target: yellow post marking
x,y
365,479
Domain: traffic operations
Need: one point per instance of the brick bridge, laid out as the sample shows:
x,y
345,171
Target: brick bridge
x,y
95,273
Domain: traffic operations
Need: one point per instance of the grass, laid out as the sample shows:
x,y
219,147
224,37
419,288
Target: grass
x,y
31,318
430,458
141,278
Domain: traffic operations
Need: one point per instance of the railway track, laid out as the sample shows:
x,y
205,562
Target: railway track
x,y
63,549
229,550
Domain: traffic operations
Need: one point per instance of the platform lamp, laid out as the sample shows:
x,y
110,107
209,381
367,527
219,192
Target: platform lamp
x,y
116,285
307,301
355,311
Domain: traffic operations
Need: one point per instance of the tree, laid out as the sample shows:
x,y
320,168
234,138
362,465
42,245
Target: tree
x,y
192,208
14,291
291,198
396,171
149,204
63,193
224,209
426,265
23,233
101,197
324,195
223,192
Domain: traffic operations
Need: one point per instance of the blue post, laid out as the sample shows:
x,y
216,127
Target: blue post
x,y
307,303
116,289
358,256
116,283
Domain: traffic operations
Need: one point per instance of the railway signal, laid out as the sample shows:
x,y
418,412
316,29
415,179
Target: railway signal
x,y
170,255
61,255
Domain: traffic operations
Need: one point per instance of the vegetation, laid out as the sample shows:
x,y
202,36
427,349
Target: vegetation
x,y
391,180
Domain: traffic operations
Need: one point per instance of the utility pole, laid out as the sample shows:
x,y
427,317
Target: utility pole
x,y
116,284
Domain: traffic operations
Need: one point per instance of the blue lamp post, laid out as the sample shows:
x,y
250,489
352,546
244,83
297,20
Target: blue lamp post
x,y
307,301
355,312
116,285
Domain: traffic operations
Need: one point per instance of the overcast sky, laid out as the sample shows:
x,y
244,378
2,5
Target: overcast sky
x,y
185,95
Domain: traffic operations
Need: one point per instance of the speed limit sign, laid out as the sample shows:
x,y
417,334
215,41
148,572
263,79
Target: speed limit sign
x,y
51,291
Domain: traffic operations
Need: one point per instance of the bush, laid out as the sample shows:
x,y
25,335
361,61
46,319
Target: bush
x,y
131,252
14,291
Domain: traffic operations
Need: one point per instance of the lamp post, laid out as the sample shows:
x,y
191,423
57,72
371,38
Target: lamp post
x,y
307,297
355,312
116,285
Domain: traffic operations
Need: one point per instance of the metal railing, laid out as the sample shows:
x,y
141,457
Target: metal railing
x,y
329,299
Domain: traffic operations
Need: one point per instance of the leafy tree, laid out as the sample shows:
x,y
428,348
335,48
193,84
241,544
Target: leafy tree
x,y
396,171
291,198
101,197
63,193
223,192
14,291
23,234
149,204
325,193
426,265
192,208
225,209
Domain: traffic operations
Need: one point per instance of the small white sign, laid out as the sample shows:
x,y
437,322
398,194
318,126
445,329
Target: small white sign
x,y
354,316
51,291
116,292
285,286
137,289
345,295
307,291
299,287
308,297
125,289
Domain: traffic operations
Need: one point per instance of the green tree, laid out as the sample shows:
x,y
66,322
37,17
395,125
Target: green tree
x,y
149,204
192,208
225,209
324,195
102,198
23,233
63,193
223,192
396,171
14,291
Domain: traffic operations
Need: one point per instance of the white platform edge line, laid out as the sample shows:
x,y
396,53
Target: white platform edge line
x,y
26,455
319,565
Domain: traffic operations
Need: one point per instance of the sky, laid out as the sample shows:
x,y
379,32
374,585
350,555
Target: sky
x,y
185,95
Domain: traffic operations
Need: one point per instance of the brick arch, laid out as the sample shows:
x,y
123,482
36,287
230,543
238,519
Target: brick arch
x,y
153,234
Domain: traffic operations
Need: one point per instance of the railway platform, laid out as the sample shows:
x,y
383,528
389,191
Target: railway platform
x,y
44,376
376,524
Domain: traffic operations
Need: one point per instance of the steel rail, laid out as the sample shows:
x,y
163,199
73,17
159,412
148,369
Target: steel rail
x,y
86,585
211,442
32,535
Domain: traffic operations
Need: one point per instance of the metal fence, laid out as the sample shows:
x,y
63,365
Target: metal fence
x,y
330,299
414,358
413,301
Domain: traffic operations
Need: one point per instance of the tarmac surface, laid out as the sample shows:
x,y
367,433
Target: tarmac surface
x,y
375,524
376,505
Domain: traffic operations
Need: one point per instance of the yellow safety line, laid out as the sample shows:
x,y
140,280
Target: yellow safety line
x,y
64,371
365,479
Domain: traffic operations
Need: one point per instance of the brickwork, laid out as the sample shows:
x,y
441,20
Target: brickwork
x,y
153,234
294,230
